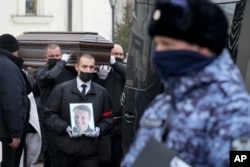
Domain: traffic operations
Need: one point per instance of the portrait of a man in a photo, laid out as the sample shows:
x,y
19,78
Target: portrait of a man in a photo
x,y
82,118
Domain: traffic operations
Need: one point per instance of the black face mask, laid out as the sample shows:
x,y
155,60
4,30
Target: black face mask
x,y
85,77
118,59
52,62
179,62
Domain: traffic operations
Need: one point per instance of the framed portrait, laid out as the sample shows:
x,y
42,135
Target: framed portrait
x,y
82,118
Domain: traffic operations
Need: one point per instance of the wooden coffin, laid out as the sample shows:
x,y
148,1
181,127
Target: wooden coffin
x,y
32,46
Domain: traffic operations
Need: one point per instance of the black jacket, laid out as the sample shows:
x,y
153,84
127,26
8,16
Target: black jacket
x,y
48,77
114,83
13,99
56,115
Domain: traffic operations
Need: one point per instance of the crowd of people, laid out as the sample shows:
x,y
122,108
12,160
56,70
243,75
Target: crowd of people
x,y
202,112
40,125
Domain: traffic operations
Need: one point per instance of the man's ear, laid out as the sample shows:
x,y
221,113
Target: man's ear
x,y
76,67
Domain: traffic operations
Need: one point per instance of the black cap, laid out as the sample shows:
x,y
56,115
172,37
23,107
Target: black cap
x,y
9,42
200,22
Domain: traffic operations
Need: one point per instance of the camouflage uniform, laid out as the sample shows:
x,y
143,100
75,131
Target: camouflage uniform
x,y
212,109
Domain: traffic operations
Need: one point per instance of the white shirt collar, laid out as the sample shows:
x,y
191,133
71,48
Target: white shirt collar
x,y
80,82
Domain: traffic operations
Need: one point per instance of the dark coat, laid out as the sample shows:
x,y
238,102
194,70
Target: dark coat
x,y
114,83
13,99
56,115
48,77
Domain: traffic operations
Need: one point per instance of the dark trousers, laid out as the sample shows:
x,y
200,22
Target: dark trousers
x,y
116,150
11,157
105,151
116,143
77,160
50,152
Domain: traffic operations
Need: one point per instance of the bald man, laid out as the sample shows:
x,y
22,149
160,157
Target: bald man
x,y
112,77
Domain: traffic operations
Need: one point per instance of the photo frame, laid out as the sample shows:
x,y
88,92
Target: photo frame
x,y
82,118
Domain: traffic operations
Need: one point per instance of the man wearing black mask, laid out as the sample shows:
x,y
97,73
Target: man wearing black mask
x,y
112,78
54,72
74,149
